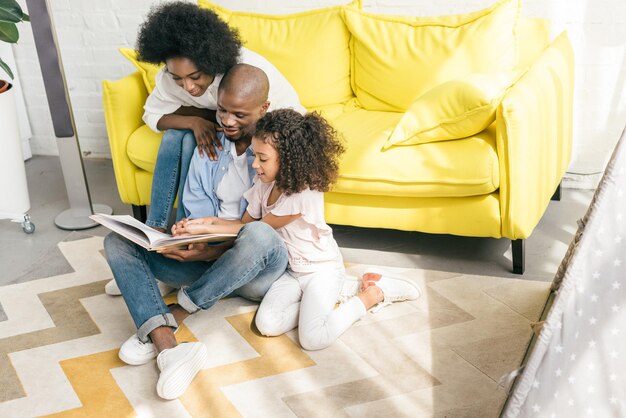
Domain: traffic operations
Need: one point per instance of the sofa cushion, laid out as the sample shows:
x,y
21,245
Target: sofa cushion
x,y
396,59
143,146
464,167
311,49
452,110
148,71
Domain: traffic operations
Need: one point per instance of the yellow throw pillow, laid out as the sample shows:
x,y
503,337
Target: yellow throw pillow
x,y
148,71
452,110
311,49
396,59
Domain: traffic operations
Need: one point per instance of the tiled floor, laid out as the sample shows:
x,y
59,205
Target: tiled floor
x,y
544,249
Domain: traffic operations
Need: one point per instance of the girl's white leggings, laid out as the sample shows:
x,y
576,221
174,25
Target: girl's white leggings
x,y
307,301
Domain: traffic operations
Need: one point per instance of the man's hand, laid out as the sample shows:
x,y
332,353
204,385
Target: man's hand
x,y
195,252
206,137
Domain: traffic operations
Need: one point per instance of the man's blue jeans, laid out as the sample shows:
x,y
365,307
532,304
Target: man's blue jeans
x,y
248,269
170,174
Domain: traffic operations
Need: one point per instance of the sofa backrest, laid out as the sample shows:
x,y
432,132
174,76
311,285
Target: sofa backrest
x,y
395,59
533,36
333,54
311,49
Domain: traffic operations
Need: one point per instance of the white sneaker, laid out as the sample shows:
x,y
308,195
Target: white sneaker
x,y
112,289
395,290
136,353
179,366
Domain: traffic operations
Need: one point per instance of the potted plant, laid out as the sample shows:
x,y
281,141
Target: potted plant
x,y
13,187
10,14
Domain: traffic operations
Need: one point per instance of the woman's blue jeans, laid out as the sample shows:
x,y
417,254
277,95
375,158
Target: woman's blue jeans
x,y
170,173
248,269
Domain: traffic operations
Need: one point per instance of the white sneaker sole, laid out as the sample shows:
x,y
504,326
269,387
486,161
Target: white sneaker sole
x,y
173,383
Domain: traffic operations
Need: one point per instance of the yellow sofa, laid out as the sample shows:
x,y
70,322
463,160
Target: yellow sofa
x,y
454,124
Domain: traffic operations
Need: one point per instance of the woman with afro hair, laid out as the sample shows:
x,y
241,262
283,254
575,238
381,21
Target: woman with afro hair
x,y
296,161
197,48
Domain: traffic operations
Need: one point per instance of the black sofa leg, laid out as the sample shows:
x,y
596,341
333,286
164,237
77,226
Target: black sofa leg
x,y
517,247
557,193
140,213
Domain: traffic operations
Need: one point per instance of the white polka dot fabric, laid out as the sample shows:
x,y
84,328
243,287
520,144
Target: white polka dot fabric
x,y
578,366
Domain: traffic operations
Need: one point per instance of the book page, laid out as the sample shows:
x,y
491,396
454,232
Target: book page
x,y
130,223
149,238
189,239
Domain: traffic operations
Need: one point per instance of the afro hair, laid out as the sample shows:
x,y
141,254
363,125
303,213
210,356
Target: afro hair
x,y
180,29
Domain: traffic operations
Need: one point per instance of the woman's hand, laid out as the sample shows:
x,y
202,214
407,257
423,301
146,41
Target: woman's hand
x,y
205,132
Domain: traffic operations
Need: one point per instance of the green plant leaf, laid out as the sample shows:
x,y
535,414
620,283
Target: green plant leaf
x,y
8,32
6,68
10,11
25,17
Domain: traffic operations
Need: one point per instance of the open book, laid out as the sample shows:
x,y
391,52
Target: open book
x,y
151,239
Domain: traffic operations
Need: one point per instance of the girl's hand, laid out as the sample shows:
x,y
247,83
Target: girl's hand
x,y
207,220
194,229
193,226
205,132
179,227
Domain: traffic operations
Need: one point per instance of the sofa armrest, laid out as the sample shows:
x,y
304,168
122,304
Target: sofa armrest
x,y
534,138
123,102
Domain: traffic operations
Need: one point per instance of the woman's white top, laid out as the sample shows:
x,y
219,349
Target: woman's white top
x,y
309,239
167,96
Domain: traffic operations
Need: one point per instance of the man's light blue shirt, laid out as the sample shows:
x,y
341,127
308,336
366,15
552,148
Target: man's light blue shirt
x,y
199,194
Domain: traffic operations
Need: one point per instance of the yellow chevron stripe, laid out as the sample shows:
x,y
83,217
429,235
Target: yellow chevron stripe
x,y
94,385
71,321
91,378
276,355
101,396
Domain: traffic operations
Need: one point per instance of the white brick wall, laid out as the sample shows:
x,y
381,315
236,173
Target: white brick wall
x,y
90,31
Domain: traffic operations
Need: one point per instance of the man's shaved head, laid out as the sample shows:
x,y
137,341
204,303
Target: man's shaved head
x,y
241,102
246,81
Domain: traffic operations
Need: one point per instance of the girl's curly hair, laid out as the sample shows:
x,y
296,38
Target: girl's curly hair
x,y
180,29
308,149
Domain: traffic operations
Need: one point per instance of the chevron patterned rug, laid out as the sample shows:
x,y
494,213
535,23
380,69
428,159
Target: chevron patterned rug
x,y
441,355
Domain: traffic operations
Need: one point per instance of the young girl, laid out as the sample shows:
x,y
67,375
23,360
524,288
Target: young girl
x,y
296,160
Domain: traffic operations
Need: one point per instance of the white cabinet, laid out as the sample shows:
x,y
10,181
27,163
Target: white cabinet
x,y
14,199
